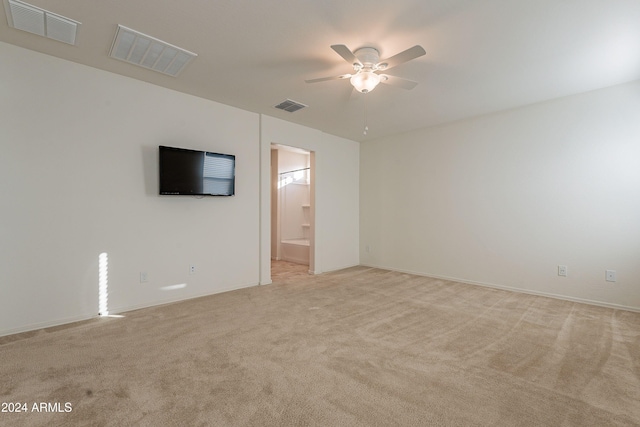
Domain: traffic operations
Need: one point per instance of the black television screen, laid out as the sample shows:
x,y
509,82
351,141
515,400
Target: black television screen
x,y
196,173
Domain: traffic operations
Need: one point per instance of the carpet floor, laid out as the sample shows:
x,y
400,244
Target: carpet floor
x,y
356,347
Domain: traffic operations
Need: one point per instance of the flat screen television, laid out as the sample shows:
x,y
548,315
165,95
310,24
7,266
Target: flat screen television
x,y
196,173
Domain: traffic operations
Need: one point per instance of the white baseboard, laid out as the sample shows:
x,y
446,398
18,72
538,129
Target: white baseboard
x,y
512,289
112,311
120,310
44,325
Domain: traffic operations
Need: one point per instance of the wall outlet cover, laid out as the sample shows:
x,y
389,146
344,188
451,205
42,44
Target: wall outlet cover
x,y
562,270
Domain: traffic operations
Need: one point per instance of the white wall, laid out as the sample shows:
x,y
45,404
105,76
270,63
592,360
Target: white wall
x,y
336,199
78,176
504,199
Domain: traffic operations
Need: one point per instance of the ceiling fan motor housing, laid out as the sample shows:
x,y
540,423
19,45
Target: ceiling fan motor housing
x,y
367,56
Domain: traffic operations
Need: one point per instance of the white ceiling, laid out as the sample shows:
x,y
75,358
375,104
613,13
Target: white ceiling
x,y
482,55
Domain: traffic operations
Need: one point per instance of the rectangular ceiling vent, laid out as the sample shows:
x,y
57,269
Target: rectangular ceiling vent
x,y
140,49
290,106
25,17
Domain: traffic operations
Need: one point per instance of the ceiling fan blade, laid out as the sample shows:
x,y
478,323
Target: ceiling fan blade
x,y
346,53
397,81
324,79
402,57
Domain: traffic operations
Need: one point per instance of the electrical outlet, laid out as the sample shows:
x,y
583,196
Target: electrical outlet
x,y
562,270
610,275
143,277
192,269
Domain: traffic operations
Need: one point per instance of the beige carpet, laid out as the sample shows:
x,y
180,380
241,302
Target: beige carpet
x,y
357,347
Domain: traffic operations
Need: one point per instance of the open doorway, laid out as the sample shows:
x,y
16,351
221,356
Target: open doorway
x,y
292,211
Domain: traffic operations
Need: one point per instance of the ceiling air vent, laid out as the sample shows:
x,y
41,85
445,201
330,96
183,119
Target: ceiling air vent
x,y
25,17
140,49
290,106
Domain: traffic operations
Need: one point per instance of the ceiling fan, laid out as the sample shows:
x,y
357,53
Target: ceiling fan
x,y
367,65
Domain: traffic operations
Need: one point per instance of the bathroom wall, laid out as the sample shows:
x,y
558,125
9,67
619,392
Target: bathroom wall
x,y
293,194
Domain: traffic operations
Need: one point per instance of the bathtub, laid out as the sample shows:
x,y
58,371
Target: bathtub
x,y
295,250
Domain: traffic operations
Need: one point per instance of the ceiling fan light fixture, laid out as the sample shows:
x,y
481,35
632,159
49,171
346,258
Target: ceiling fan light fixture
x,y
366,63
365,81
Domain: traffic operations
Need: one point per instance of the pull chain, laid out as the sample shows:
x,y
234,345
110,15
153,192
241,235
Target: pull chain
x,y
366,127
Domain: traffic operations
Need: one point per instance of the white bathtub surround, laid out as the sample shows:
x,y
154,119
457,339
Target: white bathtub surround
x,y
295,250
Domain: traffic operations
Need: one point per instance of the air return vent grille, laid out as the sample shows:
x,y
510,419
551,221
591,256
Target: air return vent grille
x,y
290,106
148,52
25,17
